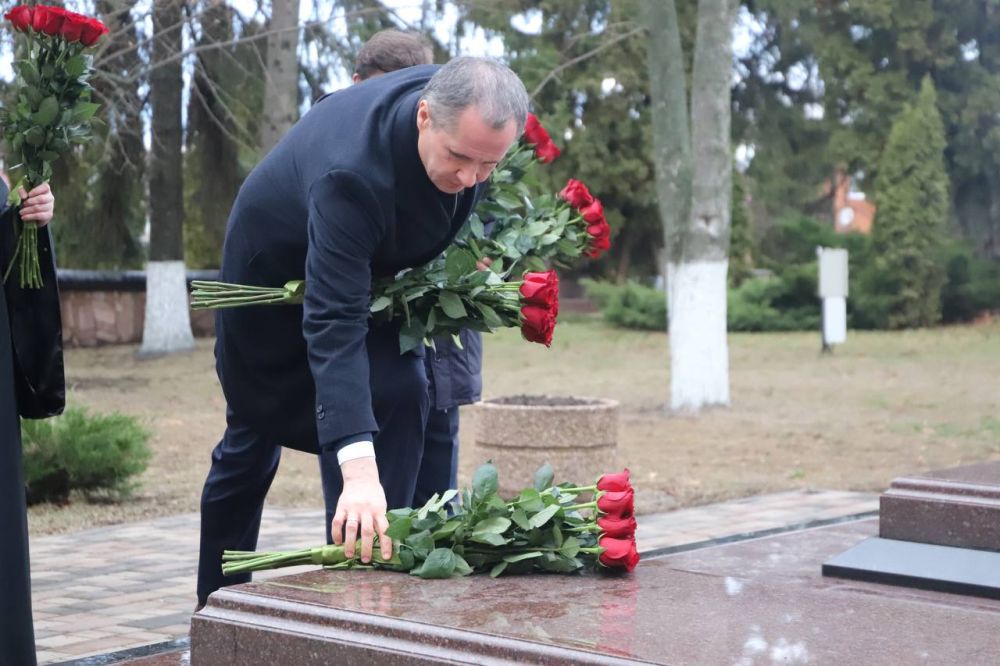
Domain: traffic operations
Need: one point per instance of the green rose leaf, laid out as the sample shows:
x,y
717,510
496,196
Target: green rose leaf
x,y
570,547
431,522
520,519
28,71
76,66
530,500
440,563
448,496
421,543
47,111
543,477
498,569
544,515
489,538
399,529
35,136
459,262
494,525
485,481
447,530
406,559
559,564
490,315
411,336
451,303
507,200
380,303
462,567
476,226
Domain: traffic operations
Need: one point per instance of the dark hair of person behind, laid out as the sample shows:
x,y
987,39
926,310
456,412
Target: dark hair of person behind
x,y
389,50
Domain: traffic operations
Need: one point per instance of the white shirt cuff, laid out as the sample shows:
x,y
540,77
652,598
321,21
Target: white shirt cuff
x,y
355,451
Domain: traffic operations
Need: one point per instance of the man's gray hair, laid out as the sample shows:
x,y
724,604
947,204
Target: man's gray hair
x,y
489,86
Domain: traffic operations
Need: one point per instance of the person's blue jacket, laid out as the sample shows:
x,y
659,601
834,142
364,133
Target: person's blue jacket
x,y
344,198
455,374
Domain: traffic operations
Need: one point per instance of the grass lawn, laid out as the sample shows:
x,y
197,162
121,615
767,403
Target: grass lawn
x,y
882,405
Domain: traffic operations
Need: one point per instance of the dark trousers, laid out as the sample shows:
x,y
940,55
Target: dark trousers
x,y
438,466
244,462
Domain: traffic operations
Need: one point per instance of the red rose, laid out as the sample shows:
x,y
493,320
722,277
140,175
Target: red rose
x,y
547,152
593,212
618,481
93,30
576,194
617,528
72,27
600,239
535,134
48,19
618,553
617,503
541,290
537,324
21,17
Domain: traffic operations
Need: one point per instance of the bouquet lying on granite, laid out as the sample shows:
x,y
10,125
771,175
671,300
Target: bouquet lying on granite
x,y
528,234
545,528
52,112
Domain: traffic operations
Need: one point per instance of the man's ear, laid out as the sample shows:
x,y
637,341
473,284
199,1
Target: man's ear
x,y
423,115
356,78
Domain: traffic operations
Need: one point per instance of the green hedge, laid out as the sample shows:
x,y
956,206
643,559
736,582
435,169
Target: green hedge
x,y
76,451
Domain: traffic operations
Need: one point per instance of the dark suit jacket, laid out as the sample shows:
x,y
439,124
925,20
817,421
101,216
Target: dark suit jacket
x,y
342,198
35,325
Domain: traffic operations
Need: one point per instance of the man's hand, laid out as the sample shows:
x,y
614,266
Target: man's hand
x,y
362,504
38,204
484,263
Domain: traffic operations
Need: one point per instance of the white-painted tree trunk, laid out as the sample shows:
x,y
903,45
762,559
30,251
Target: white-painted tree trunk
x,y
167,327
699,351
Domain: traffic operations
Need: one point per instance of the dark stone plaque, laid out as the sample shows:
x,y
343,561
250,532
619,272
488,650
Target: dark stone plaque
x,y
923,565
953,507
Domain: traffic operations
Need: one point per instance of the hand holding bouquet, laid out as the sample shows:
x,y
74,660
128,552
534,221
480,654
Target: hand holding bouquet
x,y
53,110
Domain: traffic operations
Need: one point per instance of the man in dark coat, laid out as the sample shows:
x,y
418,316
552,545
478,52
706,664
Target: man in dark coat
x,y
376,178
454,373
32,386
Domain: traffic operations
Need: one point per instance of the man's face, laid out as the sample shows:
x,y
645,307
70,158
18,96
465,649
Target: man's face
x,y
464,156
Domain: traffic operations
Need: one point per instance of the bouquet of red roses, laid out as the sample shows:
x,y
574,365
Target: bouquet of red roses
x,y
532,231
545,528
53,110
451,292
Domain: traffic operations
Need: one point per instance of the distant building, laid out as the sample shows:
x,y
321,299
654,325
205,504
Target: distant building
x,y
851,211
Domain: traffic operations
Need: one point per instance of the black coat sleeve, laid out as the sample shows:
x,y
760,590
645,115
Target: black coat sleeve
x,y
345,229
35,327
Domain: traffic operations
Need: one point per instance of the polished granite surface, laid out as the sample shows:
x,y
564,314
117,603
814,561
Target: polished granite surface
x,y
752,602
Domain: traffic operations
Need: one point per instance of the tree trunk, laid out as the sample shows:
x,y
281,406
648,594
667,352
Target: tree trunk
x,y
213,164
168,323
281,94
121,177
694,201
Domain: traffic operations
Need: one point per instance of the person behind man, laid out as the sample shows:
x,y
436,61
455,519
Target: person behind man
x,y
375,178
454,373
388,51
31,386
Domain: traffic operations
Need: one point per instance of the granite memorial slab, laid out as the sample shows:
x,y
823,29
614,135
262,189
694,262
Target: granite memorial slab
x,y
952,507
938,531
757,601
